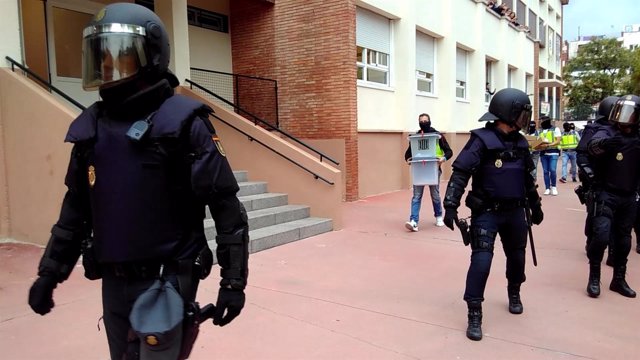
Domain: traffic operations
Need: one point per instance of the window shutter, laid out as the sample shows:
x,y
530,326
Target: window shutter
x,y
461,65
425,52
373,31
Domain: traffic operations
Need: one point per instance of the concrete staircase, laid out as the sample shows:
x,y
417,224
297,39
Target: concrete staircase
x,y
272,221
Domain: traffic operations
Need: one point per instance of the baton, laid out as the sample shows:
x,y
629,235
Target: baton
x,y
527,212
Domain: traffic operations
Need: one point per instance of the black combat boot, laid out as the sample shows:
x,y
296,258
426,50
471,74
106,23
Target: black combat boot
x,y
609,261
593,287
619,284
474,329
515,305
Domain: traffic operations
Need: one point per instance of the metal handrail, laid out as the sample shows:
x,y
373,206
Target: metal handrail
x,y
291,137
251,138
44,82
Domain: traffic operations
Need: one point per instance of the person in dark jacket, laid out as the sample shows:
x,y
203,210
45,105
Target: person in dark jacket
x,y
144,165
498,161
615,149
443,153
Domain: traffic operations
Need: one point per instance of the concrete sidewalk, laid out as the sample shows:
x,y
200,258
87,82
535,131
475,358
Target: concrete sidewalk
x,y
372,290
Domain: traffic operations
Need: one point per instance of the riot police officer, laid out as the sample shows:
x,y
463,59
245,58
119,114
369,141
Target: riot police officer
x,y
498,161
616,152
589,184
144,165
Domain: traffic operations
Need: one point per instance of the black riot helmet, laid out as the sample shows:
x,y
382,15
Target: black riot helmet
x,y
124,41
604,109
511,106
626,111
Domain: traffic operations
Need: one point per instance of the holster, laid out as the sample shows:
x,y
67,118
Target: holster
x,y
190,330
464,231
89,261
582,194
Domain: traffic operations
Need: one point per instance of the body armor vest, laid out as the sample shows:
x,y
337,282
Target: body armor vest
x,y
502,171
142,204
619,171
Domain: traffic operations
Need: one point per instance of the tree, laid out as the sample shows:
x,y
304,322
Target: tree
x,y
600,69
634,77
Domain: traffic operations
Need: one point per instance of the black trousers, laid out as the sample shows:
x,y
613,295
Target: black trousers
x,y
613,219
119,292
511,226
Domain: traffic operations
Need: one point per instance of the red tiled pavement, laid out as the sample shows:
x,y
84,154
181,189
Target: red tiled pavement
x,y
372,290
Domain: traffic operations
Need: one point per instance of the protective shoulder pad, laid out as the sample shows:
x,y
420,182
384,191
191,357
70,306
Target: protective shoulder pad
x,y
83,128
175,113
489,138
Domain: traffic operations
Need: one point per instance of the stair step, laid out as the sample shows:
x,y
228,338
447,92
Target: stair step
x,y
241,175
259,201
252,188
265,217
279,234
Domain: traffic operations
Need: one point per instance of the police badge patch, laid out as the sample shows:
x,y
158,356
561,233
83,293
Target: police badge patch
x,y
91,174
619,156
216,140
498,163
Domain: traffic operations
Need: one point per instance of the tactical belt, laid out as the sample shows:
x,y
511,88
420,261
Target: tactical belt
x,y
140,271
503,205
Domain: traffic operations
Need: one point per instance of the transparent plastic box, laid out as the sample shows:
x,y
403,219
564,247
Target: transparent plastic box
x,y
424,171
423,145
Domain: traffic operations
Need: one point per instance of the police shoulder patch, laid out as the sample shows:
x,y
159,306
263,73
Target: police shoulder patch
x,y
216,140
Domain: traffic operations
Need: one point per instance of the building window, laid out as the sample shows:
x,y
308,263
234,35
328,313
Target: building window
x,y
425,59
373,40
488,76
542,33
461,74
533,24
373,66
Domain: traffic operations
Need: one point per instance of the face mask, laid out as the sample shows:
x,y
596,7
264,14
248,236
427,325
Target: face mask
x,y
425,126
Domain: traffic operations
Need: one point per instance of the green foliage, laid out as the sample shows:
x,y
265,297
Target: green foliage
x,y
601,68
634,77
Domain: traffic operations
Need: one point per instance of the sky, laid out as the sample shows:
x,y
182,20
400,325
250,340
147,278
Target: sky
x,y
599,17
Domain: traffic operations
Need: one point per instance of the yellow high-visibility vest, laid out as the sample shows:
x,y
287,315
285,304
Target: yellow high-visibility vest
x,y
549,135
568,141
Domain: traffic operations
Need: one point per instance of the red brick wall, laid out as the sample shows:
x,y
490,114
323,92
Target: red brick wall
x,y
309,48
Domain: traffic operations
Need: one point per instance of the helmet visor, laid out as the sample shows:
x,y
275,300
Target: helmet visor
x,y
521,115
625,112
111,57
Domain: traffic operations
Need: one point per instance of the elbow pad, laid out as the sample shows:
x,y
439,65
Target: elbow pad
x,y
455,189
61,254
233,243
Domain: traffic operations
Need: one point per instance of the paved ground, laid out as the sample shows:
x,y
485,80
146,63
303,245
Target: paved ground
x,y
372,290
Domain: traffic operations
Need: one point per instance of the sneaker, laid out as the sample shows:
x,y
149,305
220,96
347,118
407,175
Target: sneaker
x,y
563,180
411,225
439,221
554,191
547,192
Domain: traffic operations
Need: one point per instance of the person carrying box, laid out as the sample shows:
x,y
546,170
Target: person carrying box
x,y
443,153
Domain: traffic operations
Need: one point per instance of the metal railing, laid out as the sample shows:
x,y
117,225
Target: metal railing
x,y
257,120
256,95
46,83
251,138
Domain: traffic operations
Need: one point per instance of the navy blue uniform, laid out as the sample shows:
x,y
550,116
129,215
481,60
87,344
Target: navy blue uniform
x,y
143,204
500,168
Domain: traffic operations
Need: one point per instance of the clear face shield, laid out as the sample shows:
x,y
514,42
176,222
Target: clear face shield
x,y
521,115
625,113
112,53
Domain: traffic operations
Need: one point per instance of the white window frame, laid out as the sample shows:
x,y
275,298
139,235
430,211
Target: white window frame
x,y
373,41
461,84
424,76
373,62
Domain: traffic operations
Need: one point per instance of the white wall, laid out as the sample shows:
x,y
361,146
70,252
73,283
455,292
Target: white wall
x,y
210,49
10,44
455,23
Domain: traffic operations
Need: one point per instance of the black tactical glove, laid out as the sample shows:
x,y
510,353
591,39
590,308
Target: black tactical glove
x,y
450,217
230,300
41,294
537,215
